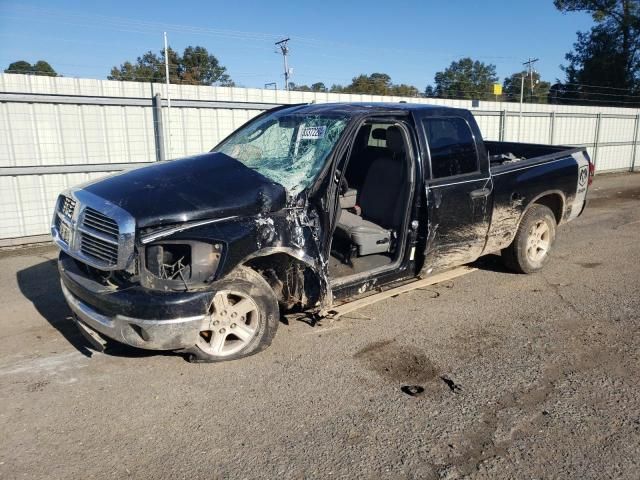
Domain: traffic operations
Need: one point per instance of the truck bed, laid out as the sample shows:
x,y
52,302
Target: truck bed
x,y
506,155
521,172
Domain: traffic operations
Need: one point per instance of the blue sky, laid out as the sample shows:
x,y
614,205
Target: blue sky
x,y
331,41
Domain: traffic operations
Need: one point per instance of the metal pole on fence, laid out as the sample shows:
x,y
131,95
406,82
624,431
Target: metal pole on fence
x,y
634,150
597,139
158,131
503,124
166,73
552,125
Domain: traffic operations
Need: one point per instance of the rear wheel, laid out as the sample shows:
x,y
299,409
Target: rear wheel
x,y
244,319
530,249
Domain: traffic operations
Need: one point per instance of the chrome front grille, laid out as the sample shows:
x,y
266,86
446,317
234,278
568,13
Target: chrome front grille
x,y
68,207
100,223
99,249
94,230
99,237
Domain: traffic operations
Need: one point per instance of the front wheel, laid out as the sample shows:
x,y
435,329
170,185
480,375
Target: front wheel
x,y
530,249
244,319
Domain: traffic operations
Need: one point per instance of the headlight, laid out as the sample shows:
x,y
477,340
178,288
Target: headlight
x,y
179,265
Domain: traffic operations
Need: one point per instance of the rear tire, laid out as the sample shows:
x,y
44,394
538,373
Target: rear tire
x,y
244,319
530,249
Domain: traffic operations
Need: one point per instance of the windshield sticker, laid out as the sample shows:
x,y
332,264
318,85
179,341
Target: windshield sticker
x,y
313,133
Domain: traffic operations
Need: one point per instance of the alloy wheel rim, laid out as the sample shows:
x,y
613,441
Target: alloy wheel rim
x,y
233,323
538,241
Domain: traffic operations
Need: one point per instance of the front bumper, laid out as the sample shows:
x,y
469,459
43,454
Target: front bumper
x,y
135,316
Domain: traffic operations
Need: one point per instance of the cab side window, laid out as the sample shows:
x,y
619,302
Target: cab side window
x,y
452,147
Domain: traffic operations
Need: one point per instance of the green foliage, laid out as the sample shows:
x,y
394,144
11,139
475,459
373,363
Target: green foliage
x,y
318,87
604,66
20,67
39,68
465,79
404,90
200,68
195,67
376,84
511,88
315,87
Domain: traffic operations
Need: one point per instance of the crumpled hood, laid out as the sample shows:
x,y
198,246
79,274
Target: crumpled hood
x,y
207,186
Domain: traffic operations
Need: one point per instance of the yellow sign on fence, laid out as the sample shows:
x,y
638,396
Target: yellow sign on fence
x,y
497,89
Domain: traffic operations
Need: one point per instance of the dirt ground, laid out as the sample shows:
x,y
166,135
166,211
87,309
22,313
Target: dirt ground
x,y
492,375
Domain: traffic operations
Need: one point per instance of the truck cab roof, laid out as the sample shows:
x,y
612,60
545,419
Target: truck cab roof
x,y
376,107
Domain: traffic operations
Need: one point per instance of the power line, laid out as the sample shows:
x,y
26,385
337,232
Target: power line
x,y
628,89
138,26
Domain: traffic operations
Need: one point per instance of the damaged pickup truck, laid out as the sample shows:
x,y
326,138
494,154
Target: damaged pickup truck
x,y
304,207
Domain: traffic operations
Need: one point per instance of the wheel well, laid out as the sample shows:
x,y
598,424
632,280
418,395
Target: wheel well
x,y
294,282
554,202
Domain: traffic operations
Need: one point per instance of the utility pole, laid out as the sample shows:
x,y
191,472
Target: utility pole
x,y
284,48
529,65
166,73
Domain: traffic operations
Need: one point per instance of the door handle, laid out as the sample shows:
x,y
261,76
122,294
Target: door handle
x,y
480,193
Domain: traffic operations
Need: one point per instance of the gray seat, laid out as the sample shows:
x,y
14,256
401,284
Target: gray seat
x,y
380,201
368,237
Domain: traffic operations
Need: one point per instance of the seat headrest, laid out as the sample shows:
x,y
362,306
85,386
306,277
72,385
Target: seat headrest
x,y
379,134
362,138
395,140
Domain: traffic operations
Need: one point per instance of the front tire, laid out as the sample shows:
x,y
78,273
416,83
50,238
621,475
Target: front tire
x,y
530,249
244,319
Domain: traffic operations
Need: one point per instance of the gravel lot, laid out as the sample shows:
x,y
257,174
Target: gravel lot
x,y
523,376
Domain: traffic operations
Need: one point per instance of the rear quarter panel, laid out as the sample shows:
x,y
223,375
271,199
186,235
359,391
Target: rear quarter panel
x,y
517,187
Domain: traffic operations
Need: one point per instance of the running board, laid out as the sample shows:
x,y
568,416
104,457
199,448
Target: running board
x,y
424,282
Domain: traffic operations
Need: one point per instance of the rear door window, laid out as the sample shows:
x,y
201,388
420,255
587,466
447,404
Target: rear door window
x,y
451,145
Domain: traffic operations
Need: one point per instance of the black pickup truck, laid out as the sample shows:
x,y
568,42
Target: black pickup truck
x,y
303,207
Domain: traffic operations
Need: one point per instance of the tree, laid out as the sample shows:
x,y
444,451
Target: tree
x,y
376,84
200,68
404,90
511,88
43,68
299,88
39,68
466,79
604,66
318,87
20,67
194,67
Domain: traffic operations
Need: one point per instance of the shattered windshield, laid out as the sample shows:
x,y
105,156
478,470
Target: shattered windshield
x,y
288,148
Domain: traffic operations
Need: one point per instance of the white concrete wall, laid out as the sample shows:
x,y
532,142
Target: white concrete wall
x,y
57,134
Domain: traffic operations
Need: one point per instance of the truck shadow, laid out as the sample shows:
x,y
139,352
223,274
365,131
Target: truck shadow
x,y
40,284
491,263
